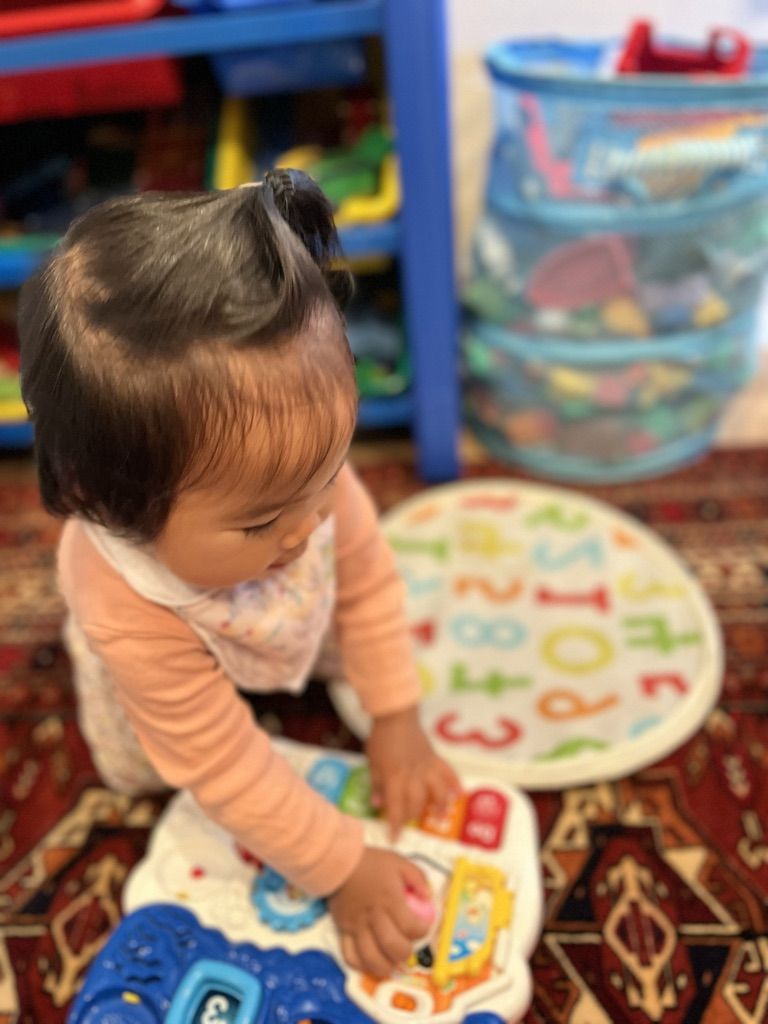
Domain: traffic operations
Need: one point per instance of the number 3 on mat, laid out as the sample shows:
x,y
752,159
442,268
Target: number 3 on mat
x,y
509,732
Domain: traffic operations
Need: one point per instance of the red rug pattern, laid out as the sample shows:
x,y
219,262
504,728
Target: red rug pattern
x,y
656,886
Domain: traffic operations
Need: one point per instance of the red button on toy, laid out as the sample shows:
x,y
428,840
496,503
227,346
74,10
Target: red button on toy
x,y
484,820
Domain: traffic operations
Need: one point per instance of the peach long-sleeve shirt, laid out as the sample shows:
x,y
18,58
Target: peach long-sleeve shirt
x,y
168,667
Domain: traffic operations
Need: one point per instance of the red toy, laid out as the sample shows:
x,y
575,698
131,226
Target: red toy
x,y
586,272
96,89
26,16
727,54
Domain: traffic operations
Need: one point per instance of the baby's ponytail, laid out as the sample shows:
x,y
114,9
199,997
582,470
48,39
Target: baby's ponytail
x,y
308,213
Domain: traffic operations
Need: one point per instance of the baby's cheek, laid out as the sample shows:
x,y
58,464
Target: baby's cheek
x,y
330,501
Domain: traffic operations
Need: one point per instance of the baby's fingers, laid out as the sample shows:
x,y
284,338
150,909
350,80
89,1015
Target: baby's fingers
x,y
413,878
396,946
416,798
443,786
349,951
377,797
395,806
451,780
412,923
373,960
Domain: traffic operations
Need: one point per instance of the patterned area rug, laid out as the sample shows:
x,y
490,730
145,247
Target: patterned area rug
x,y
656,886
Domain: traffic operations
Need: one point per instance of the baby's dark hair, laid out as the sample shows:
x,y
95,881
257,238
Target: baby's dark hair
x,y
128,335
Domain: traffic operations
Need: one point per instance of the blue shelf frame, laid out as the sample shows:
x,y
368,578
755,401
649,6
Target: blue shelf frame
x,y
378,413
16,266
192,33
417,73
414,38
16,435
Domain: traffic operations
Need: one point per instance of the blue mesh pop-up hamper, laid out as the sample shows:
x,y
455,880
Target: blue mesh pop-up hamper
x,y
619,264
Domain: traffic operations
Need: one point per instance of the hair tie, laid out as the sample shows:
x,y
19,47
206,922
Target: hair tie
x,y
281,183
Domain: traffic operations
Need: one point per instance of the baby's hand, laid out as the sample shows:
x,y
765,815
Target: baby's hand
x,y
407,776
378,928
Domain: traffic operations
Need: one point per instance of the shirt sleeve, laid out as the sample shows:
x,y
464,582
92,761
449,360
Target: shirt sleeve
x,y
371,623
198,733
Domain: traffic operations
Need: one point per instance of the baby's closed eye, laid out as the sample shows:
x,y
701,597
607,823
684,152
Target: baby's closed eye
x,y
250,531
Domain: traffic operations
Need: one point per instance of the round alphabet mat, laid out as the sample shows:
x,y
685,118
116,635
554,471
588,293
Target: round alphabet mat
x,y
558,641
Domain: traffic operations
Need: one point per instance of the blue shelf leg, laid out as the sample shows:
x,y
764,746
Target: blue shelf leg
x,y
415,48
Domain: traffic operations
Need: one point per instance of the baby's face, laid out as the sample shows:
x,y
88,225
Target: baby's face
x,y
220,537
258,508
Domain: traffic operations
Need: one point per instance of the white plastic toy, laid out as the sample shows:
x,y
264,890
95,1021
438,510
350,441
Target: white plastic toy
x,y
481,860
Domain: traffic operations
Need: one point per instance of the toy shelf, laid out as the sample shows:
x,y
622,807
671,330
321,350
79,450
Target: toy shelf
x,y
19,259
18,262
375,414
413,37
192,33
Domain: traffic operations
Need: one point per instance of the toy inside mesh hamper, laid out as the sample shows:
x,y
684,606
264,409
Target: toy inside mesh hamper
x,y
621,258
596,122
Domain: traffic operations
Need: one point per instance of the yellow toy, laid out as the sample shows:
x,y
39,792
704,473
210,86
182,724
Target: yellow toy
x,y
477,907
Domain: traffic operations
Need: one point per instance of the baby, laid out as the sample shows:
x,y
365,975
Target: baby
x,y
185,365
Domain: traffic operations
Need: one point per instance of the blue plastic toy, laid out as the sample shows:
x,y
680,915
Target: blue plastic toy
x,y
279,910
162,965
